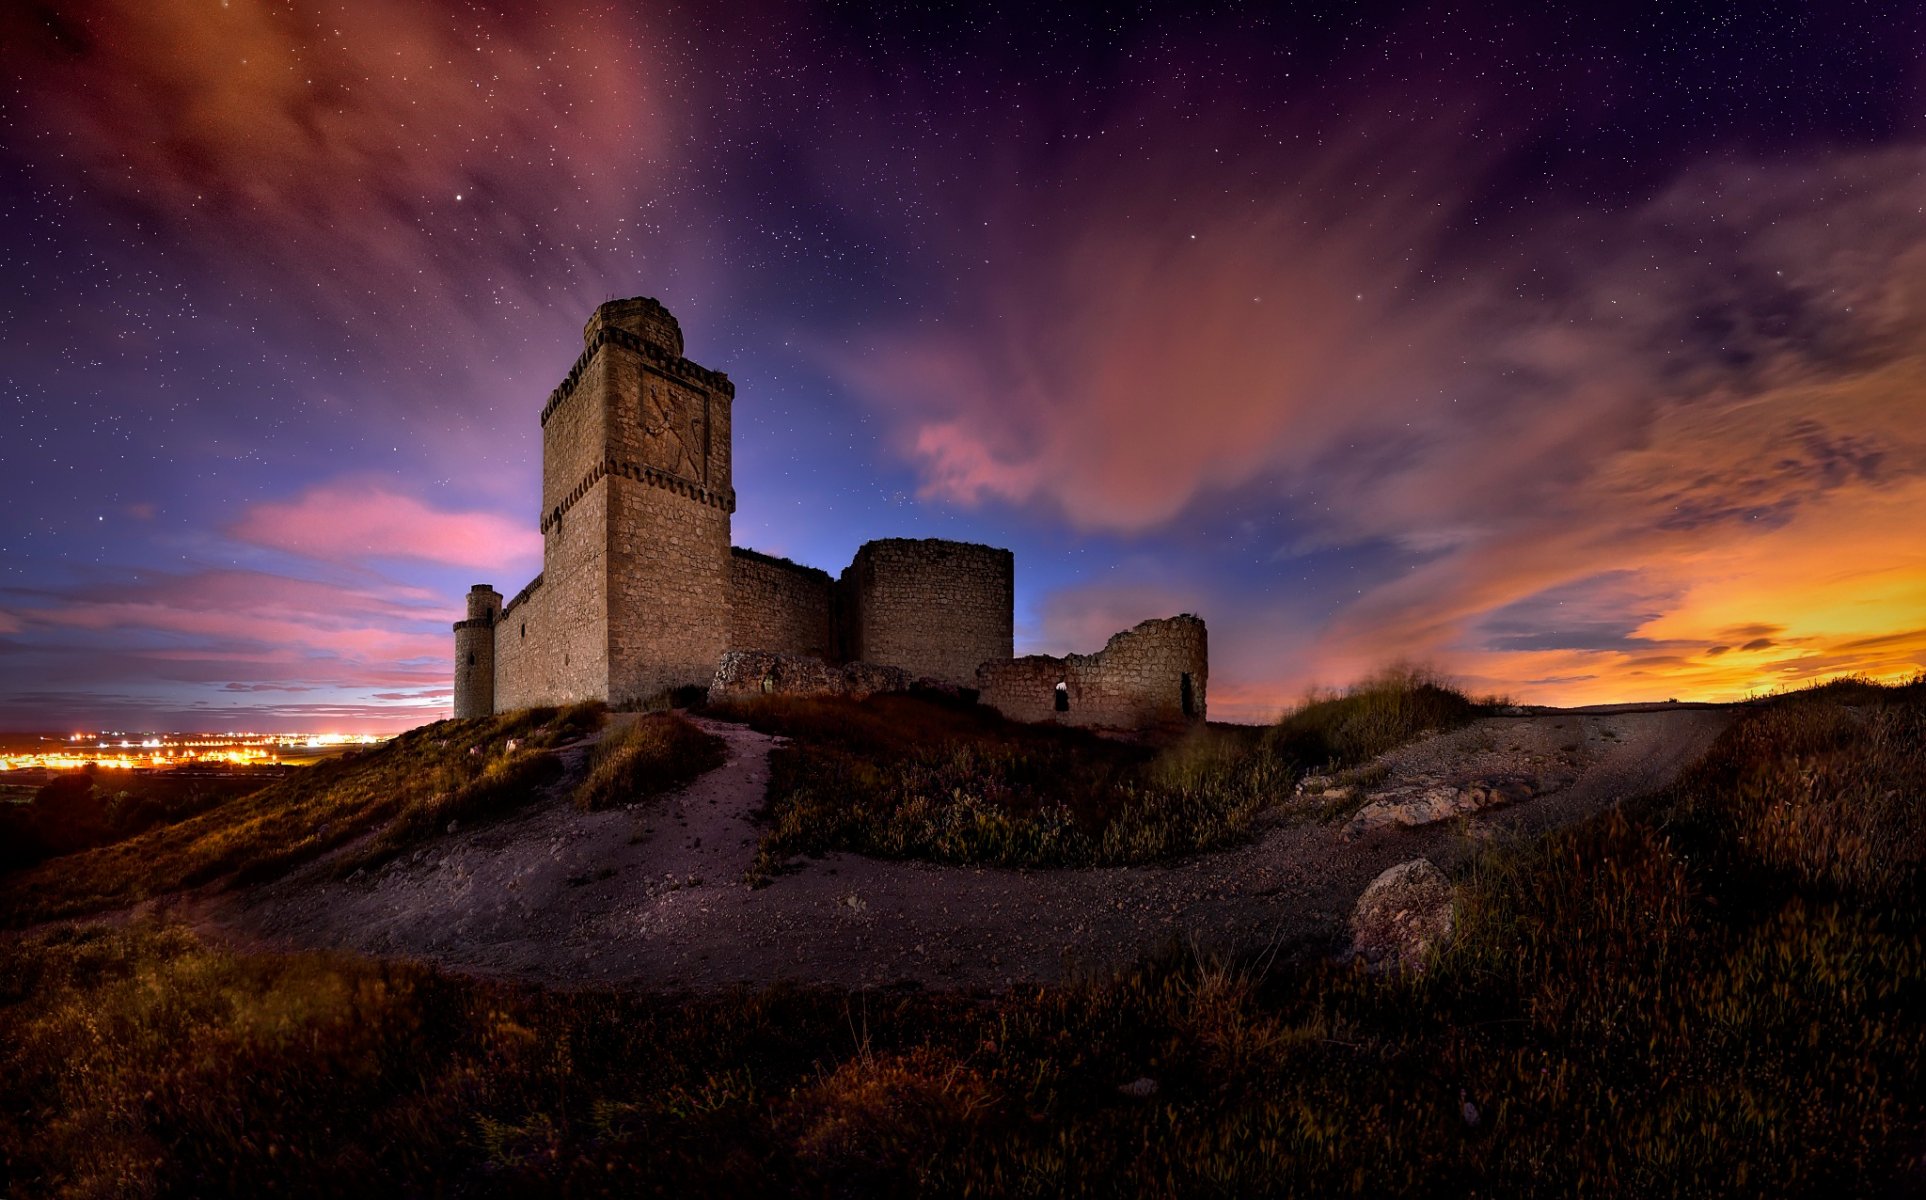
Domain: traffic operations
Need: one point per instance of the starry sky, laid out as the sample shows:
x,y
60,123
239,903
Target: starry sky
x,y
1580,354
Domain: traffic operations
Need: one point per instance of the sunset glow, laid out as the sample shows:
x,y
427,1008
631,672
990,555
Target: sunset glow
x,y
1402,341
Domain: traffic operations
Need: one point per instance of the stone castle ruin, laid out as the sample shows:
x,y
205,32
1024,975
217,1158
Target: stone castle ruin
x,y
642,595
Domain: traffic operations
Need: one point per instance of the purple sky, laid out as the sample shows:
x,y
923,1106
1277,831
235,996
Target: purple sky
x,y
1581,356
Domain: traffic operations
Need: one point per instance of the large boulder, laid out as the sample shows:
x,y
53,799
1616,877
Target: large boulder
x,y
1403,918
1426,803
742,674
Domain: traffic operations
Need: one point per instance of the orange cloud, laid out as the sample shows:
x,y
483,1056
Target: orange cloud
x,y
1719,395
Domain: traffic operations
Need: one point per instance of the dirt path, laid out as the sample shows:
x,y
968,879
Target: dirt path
x,y
654,896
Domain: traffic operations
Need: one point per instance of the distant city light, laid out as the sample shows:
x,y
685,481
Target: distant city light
x,y
161,751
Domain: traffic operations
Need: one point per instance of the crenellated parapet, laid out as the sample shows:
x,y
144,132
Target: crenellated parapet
x,y
662,358
722,498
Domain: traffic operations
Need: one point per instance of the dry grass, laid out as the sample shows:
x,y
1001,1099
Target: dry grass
x,y
394,796
656,753
914,777
1696,995
1384,712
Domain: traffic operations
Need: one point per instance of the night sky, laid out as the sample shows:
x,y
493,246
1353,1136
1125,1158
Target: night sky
x,y
1581,355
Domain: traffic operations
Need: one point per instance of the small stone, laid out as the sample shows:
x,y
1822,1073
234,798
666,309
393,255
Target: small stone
x,y
454,825
1141,1088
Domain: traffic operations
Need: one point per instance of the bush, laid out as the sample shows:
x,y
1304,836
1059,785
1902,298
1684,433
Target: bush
x,y
1382,713
928,777
657,752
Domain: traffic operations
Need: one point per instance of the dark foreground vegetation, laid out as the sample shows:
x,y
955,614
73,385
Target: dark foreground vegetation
x,y
910,776
1717,991
387,799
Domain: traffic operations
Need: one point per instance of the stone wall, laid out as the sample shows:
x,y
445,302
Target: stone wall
x,y
934,608
745,674
668,611
1155,674
475,653
552,642
780,606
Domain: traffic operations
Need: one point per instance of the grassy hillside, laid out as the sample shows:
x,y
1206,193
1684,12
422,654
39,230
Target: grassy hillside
x,y
393,795
911,777
1715,992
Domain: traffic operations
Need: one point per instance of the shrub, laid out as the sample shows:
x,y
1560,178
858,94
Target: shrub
x,y
657,752
1382,713
903,776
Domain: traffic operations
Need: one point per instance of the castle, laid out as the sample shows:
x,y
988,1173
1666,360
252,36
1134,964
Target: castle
x,y
642,595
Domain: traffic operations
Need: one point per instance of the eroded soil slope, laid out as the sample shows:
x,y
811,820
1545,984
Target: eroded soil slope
x,y
654,895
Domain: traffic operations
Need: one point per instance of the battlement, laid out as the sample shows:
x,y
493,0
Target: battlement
x,y
643,316
722,498
522,596
657,355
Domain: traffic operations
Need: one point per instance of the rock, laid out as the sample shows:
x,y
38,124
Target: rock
x,y
1409,806
745,673
1403,918
454,825
1142,1088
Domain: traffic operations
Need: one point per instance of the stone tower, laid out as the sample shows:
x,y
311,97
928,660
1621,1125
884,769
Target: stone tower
x,y
633,598
475,653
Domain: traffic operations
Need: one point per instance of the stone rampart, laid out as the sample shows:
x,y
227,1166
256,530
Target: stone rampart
x,y
780,606
935,608
552,640
1154,674
743,674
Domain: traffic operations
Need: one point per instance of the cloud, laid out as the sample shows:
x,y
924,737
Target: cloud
x,y
354,523
407,161
1714,395
120,647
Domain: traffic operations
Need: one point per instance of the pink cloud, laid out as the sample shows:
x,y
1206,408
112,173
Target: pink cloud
x,y
338,143
1597,393
348,523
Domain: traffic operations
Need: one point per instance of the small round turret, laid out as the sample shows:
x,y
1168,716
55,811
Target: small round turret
x,y
642,316
475,653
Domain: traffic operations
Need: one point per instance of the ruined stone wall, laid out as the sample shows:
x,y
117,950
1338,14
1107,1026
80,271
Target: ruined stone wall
x,y
780,606
1154,674
747,674
552,641
935,608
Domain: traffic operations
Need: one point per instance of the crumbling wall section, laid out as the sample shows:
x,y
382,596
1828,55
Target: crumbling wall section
x,y
935,608
1154,674
745,674
780,606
